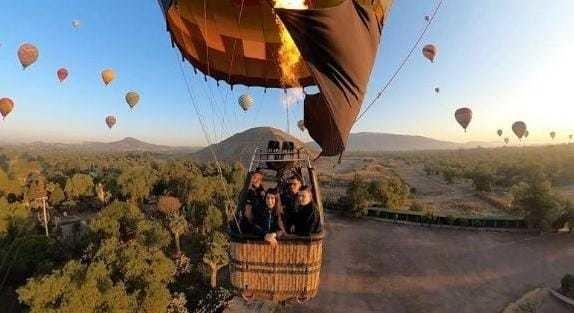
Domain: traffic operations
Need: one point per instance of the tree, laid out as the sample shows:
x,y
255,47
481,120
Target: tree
x,y
391,192
540,206
56,194
178,226
169,205
136,182
78,186
125,221
213,220
216,255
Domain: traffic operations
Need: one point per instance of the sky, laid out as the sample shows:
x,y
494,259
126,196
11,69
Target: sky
x,y
506,60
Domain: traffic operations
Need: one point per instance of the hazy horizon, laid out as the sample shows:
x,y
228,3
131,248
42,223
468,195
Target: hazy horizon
x,y
497,70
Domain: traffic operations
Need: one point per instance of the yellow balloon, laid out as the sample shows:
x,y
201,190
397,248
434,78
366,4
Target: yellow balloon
x,y
108,75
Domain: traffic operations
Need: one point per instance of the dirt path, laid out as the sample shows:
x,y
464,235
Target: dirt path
x,y
372,266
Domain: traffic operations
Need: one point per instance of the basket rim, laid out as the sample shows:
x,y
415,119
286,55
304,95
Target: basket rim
x,y
241,238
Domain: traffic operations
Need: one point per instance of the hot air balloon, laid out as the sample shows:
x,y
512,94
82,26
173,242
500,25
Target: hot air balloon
x,y
132,98
526,134
430,51
463,116
111,121
108,75
437,90
570,137
245,102
62,74
427,18
552,134
506,140
6,106
28,54
499,132
326,38
301,125
238,42
519,129
76,23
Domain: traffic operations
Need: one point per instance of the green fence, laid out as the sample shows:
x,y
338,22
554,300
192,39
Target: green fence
x,y
430,219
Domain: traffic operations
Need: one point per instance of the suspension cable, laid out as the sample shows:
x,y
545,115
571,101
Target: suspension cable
x,y
404,61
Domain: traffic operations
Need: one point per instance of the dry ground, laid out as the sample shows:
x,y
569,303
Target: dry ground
x,y
373,266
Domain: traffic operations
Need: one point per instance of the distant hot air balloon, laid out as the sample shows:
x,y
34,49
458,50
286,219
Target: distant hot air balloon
x,y
108,75
570,137
463,116
6,106
552,134
28,54
519,129
62,74
132,98
427,18
301,125
246,101
111,121
499,132
430,51
437,90
76,23
506,140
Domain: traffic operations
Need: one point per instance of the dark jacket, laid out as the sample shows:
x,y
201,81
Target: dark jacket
x,y
255,196
266,221
289,202
307,220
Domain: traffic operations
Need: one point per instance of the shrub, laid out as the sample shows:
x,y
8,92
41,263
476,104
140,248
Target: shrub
x,y
541,207
391,192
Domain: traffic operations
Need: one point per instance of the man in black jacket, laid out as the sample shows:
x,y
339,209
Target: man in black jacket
x,y
307,219
289,201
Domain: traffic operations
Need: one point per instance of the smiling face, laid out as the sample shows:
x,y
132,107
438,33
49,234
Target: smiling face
x,y
270,200
256,179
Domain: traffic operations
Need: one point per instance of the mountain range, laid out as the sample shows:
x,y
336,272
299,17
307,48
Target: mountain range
x,y
240,146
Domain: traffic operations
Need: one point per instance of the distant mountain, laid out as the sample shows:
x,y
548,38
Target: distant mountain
x,y
372,142
241,146
128,144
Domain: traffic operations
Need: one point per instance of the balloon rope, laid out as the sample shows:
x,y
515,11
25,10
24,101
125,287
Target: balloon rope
x,y
206,136
402,64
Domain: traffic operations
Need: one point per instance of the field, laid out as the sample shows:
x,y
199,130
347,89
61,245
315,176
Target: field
x,y
373,266
444,180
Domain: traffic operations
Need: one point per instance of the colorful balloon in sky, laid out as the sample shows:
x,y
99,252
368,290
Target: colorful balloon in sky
x,y
132,98
108,75
519,129
6,106
506,140
76,23
111,121
499,132
430,52
526,134
246,101
463,116
62,74
552,135
28,54
437,90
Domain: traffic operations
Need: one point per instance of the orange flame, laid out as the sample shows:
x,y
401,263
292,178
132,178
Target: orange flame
x,y
289,55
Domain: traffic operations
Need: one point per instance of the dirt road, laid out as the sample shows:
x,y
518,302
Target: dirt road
x,y
372,266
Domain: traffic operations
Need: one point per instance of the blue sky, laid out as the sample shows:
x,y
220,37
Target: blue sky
x,y
507,60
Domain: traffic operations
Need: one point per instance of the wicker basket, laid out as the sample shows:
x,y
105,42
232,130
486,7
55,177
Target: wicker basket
x,y
289,271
